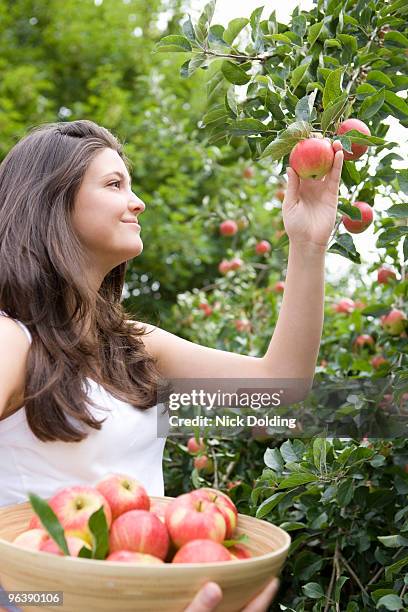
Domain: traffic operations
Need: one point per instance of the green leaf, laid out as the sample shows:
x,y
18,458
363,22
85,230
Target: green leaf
x,y
244,127
298,75
371,141
376,76
349,42
313,590
396,102
345,246
292,451
174,43
351,211
332,88
188,30
395,567
391,235
292,526
375,310
398,210
191,65
333,111
49,521
299,25
98,526
273,459
314,32
207,14
390,602
371,105
319,453
279,38
234,28
287,140
345,492
234,73
295,480
393,541
395,39
269,504
339,585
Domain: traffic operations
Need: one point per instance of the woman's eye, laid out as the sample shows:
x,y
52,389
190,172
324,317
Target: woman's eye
x,y
115,183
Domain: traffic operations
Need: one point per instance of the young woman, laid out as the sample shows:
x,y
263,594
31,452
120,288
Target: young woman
x,y
78,375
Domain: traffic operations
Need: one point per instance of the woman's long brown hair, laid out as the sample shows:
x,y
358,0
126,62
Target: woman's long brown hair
x,y
42,273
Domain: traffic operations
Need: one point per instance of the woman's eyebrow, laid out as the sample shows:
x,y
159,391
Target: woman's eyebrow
x,y
122,176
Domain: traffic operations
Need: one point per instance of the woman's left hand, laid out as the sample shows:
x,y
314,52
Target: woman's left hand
x,y
310,206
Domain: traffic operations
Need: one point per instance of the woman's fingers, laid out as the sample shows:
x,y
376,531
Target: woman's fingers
x,y
333,178
291,193
207,598
261,602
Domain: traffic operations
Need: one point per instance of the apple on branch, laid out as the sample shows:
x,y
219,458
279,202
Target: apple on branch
x,y
345,305
356,226
394,322
312,158
357,149
384,275
228,227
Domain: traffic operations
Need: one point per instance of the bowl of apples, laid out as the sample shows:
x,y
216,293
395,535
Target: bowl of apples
x,y
113,546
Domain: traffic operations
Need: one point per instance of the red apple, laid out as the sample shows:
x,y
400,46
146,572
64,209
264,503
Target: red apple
x,y
223,503
73,507
248,172
139,531
279,287
345,305
224,266
190,517
364,340
194,446
312,158
240,551
201,551
394,322
242,325
74,546
228,228
123,493
359,304
126,556
204,463
356,226
377,361
357,149
236,263
384,275
263,247
31,539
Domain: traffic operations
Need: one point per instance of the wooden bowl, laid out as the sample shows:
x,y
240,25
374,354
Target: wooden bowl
x,y
93,585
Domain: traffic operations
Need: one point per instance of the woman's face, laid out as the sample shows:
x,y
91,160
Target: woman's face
x,y
103,204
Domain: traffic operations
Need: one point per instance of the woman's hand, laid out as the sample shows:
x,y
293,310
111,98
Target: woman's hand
x,y
309,208
210,595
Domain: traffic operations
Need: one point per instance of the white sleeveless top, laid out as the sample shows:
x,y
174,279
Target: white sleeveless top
x,y
128,443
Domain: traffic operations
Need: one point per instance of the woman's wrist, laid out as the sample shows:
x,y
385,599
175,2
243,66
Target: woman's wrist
x,y
307,247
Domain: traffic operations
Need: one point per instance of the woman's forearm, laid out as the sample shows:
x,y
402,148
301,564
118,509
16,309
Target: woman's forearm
x,y
294,347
